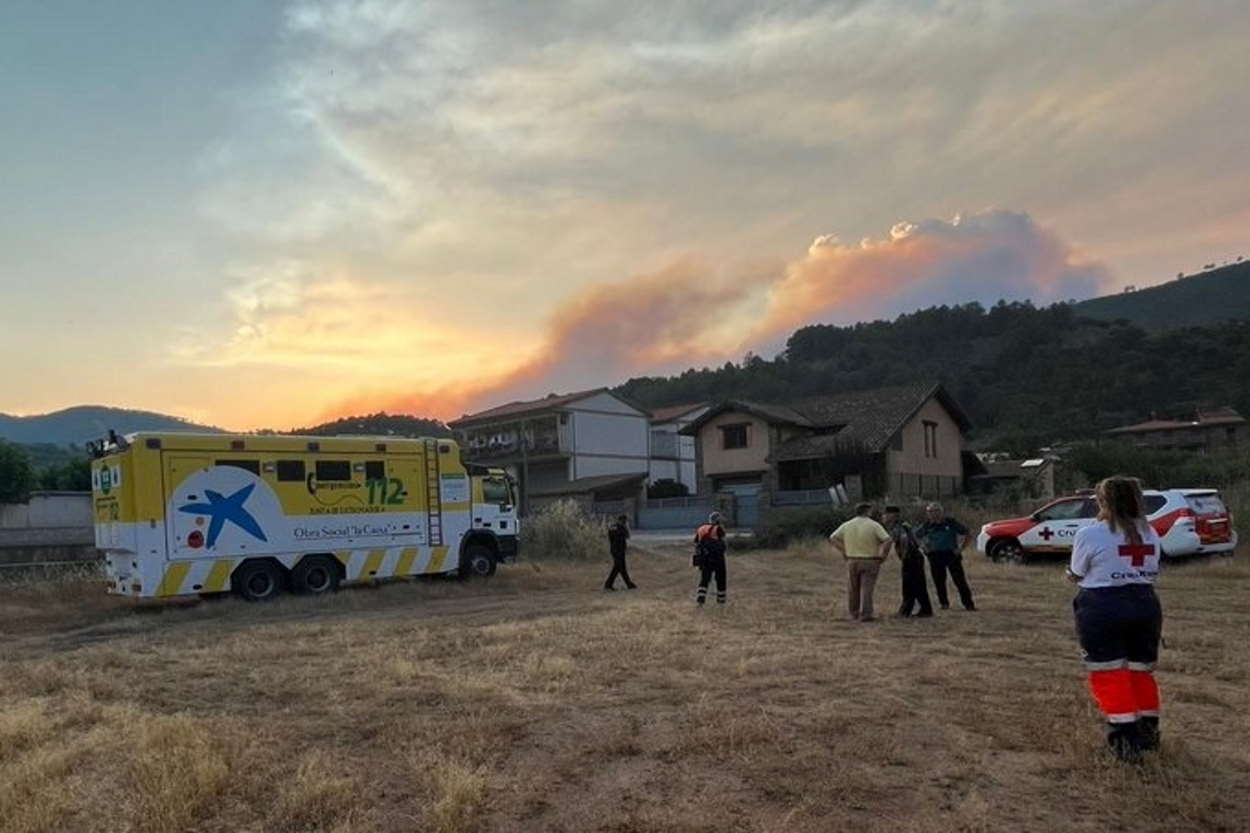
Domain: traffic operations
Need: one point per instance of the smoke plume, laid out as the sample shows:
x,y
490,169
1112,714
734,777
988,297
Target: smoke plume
x,y
698,312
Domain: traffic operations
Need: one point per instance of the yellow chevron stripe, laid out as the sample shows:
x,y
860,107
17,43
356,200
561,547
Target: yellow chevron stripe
x,y
436,560
344,557
218,575
171,582
404,567
372,563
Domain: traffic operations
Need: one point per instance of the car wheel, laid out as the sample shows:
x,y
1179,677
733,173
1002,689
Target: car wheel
x,y
477,562
315,575
258,581
1008,552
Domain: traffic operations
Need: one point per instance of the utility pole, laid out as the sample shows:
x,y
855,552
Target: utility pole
x,y
525,471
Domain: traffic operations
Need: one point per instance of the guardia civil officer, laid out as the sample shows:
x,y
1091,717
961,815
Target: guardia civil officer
x,y
1118,617
709,542
915,587
944,539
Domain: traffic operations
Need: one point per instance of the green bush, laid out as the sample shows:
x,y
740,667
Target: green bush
x,y
1237,499
17,475
1159,469
563,531
780,525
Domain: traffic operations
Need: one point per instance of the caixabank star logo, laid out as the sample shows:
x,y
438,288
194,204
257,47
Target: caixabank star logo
x,y
222,509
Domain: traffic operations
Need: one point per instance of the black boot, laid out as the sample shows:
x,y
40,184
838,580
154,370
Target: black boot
x,y
1148,733
1124,741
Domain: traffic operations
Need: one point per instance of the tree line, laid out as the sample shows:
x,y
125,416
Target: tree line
x,y
1026,376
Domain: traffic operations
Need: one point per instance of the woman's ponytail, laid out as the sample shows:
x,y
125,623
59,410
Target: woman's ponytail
x,y
1121,505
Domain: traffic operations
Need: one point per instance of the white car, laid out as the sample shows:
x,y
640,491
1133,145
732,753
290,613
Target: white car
x,y
1188,522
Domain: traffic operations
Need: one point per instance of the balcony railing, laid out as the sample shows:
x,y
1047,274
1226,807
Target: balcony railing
x,y
540,445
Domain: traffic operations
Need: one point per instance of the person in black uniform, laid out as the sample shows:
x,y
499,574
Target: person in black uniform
x,y
618,539
709,542
944,539
915,587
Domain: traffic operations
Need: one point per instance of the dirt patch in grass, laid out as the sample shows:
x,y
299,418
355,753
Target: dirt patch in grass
x,y
535,701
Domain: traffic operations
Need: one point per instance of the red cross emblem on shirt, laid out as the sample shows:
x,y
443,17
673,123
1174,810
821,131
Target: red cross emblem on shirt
x,y
1137,553
1046,534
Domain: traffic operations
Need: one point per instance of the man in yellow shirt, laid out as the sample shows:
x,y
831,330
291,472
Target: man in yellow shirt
x,y
865,545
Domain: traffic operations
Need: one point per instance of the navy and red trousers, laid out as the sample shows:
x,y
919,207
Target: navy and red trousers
x,y
1119,630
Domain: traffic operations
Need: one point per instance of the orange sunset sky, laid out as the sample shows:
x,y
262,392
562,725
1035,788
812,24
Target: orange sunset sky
x,y
261,215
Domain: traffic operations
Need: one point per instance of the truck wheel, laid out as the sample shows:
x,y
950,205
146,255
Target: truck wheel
x,y
1008,552
315,575
258,581
477,562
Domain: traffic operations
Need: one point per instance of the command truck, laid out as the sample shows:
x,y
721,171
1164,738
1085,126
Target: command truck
x,y
180,514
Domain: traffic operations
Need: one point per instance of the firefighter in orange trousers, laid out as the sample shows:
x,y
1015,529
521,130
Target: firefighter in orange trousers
x,y
1118,616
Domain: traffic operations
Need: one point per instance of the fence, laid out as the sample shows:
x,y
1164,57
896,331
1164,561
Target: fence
x,y
674,512
48,510
806,497
609,508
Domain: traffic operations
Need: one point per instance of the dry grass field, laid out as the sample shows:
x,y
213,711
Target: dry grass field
x,y
536,702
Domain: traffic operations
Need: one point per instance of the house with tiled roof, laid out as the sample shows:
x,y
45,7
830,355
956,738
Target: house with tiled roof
x,y
1206,432
591,446
902,441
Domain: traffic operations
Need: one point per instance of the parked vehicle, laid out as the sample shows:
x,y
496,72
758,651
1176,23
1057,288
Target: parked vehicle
x,y
1188,522
183,514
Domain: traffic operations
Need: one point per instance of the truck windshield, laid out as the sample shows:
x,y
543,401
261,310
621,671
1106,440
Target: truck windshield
x,y
495,490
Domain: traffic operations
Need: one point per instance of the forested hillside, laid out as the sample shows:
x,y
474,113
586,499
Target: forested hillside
x,y
79,424
1189,301
1025,375
379,424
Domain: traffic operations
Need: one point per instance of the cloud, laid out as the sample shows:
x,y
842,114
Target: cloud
x,y
540,173
979,257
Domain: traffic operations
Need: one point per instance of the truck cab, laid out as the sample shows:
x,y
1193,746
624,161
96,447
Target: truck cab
x,y
495,526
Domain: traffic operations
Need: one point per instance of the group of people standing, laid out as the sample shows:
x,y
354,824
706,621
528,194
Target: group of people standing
x,y
867,541
1115,562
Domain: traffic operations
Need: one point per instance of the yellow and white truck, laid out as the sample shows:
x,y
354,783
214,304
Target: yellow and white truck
x,y
180,514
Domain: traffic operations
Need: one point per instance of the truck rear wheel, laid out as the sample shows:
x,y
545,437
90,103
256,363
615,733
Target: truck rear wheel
x,y
258,581
477,562
315,575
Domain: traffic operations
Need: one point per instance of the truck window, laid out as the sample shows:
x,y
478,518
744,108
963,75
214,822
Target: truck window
x,y
247,465
375,470
1064,510
1209,504
334,470
1154,503
290,471
495,490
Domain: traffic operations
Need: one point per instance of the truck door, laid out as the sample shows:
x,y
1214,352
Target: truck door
x,y
184,537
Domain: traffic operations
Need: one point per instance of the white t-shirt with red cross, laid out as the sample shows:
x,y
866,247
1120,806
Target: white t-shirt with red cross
x,y
1103,558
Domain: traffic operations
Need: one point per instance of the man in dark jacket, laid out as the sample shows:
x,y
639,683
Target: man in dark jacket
x,y
944,539
618,539
915,587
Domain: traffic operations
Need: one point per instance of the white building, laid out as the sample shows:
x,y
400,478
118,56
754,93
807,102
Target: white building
x,y
591,445
673,454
